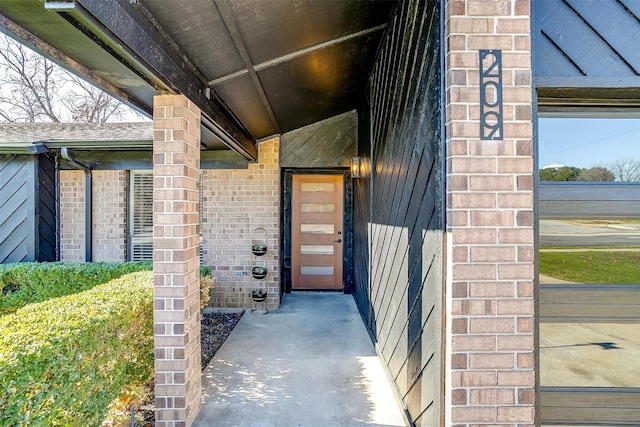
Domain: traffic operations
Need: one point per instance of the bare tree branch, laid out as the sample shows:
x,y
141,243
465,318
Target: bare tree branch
x,y
29,85
86,103
33,89
626,169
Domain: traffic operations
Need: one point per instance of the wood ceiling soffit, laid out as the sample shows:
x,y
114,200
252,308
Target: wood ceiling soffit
x,y
139,39
230,23
298,54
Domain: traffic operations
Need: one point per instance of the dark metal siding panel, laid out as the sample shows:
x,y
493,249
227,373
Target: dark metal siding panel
x,y
326,144
586,38
406,230
16,209
46,203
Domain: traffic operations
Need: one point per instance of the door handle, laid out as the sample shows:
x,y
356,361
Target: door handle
x,y
338,241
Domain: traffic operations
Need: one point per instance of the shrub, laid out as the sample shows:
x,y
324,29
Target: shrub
x,y
25,283
206,286
63,361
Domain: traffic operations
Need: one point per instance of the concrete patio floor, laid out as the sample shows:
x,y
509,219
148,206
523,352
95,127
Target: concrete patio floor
x,y
309,364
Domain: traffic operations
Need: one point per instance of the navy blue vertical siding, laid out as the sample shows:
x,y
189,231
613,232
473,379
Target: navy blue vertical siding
x,y
398,217
46,244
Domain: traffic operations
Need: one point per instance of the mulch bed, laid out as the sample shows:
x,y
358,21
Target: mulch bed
x,y
215,328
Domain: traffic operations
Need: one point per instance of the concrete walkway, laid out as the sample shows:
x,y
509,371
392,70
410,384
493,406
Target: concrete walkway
x,y
309,364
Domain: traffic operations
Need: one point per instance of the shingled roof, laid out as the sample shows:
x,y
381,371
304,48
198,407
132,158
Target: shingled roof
x,y
32,132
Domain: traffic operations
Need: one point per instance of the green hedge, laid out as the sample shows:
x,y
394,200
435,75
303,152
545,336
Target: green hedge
x,y
25,283
64,360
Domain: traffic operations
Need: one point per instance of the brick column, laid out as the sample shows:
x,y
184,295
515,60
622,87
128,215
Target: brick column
x,y
176,168
490,220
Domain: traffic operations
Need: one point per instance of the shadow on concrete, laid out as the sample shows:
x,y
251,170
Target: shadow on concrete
x,y
602,345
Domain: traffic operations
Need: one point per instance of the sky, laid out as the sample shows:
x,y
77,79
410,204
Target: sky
x,y
587,142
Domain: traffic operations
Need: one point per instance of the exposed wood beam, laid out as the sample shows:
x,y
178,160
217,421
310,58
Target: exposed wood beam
x,y
131,38
297,54
230,23
142,159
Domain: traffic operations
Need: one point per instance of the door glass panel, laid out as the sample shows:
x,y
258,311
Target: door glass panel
x,y
316,249
317,207
317,186
317,228
312,270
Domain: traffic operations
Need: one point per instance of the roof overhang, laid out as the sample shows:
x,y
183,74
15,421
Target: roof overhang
x,y
256,69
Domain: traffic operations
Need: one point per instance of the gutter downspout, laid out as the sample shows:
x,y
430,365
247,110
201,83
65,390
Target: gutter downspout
x,y
88,206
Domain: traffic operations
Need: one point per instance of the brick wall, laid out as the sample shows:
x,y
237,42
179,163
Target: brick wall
x,y
490,221
109,215
72,194
235,202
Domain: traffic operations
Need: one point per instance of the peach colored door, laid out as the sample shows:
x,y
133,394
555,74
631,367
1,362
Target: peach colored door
x,y
316,231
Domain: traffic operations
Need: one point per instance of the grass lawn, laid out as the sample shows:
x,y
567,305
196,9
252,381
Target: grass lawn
x,y
606,267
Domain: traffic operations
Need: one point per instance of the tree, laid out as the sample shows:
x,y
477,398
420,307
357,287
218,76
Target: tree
x,y
596,173
29,85
34,89
626,169
564,173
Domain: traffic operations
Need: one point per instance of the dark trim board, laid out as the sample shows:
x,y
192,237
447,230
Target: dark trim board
x,y
586,84
140,160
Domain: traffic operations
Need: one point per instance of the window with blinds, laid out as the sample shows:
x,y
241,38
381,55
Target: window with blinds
x,y
140,220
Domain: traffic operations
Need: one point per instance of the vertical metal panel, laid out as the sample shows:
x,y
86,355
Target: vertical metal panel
x,y
404,303
46,243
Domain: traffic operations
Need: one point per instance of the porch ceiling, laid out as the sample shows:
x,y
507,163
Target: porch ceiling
x,y
271,66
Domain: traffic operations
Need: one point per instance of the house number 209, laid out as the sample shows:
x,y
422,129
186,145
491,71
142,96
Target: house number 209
x,y
491,94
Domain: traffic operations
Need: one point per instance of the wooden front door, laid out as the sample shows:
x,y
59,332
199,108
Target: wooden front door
x,y
316,231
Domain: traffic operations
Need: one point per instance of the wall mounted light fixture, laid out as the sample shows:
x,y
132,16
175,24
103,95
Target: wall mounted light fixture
x,y
360,167
356,167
